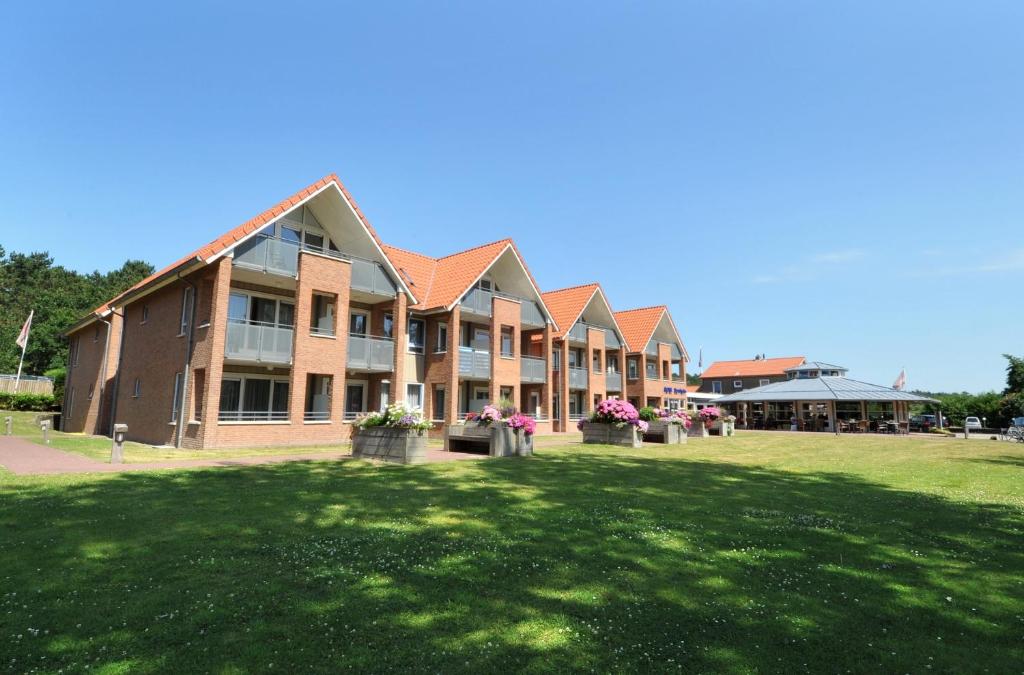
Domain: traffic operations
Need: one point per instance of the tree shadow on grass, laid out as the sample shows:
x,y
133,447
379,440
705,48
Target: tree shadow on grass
x,y
573,560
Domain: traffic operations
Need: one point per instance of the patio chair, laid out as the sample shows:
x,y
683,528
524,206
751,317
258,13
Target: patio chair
x,y
903,428
863,426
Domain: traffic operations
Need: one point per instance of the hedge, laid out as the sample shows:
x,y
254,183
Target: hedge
x,y
42,402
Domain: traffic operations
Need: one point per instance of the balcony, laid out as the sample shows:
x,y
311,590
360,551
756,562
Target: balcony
x,y
372,354
613,381
259,342
272,255
652,348
474,364
578,333
479,302
533,370
370,277
578,378
269,255
611,340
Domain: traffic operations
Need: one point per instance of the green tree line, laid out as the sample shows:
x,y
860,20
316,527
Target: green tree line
x,y
996,408
59,297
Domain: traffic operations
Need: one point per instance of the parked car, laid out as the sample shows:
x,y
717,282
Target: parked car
x,y
972,423
926,422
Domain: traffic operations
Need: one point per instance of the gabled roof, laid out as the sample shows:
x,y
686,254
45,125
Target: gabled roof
x,y
440,283
221,244
638,325
823,389
567,304
752,367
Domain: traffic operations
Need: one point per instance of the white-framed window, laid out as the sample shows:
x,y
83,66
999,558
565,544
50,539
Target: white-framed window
x,y
763,381
716,387
439,403
145,314
253,398
137,388
414,395
186,310
442,338
416,337
737,384
260,309
507,342
358,323
556,359
76,347
176,398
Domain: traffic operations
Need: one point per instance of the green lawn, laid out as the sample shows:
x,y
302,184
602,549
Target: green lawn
x,y
757,553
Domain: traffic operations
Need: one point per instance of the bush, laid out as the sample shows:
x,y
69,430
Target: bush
x,y
37,402
58,375
648,414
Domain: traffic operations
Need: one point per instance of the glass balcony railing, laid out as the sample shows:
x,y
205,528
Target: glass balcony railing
x,y
272,255
260,342
375,354
613,381
474,363
578,378
479,302
533,370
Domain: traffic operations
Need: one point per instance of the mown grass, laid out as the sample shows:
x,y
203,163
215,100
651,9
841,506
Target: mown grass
x,y
761,553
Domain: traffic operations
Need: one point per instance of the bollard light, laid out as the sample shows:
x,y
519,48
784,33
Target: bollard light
x,y
8,423
45,426
117,448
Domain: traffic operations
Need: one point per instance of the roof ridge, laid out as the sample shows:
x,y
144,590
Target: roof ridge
x,y
405,250
506,240
642,309
767,358
571,288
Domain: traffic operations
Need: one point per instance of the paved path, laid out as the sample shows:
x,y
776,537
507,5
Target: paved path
x,y
22,458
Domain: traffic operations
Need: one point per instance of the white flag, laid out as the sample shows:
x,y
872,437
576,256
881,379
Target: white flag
x,y
901,381
23,335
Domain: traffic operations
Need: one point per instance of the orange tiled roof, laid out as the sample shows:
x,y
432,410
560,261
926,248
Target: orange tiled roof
x,y
232,236
752,367
440,282
638,325
566,305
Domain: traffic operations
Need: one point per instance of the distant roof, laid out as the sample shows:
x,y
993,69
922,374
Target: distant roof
x,y
817,365
828,388
752,367
567,304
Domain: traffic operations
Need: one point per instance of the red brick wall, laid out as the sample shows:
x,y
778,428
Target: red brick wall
x,y
437,367
92,416
595,380
505,370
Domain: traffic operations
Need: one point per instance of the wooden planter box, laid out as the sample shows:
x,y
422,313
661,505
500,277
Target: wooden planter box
x,y
663,432
404,446
497,439
609,434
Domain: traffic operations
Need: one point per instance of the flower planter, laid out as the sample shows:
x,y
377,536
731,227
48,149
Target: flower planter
x,y
698,429
728,428
524,443
498,439
404,446
626,436
663,432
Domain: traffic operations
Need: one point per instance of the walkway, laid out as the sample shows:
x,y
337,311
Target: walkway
x,y
24,458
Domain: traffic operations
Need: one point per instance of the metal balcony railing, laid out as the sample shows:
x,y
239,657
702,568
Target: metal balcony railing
x,y
375,354
474,363
533,370
261,342
252,416
578,378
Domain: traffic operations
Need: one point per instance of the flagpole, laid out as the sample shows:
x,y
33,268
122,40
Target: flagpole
x,y
17,380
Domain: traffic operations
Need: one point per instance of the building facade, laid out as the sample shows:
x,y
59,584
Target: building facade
x,y
290,326
729,377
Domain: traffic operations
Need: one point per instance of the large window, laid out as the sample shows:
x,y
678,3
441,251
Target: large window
x,y
848,410
257,309
319,389
253,399
357,324
442,338
880,411
632,368
613,363
716,386
652,370
186,311
414,395
321,319
416,338
176,398
507,348
439,403
389,326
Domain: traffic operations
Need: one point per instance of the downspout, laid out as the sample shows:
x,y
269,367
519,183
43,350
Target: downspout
x,y
117,374
64,399
180,427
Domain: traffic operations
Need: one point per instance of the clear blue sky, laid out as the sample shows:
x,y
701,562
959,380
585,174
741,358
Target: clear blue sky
x,y
843,180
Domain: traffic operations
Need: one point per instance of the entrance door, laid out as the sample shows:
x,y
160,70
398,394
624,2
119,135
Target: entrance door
x,y
355,396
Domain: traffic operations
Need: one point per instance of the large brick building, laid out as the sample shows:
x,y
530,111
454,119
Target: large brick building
x,y
292,324
729,377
